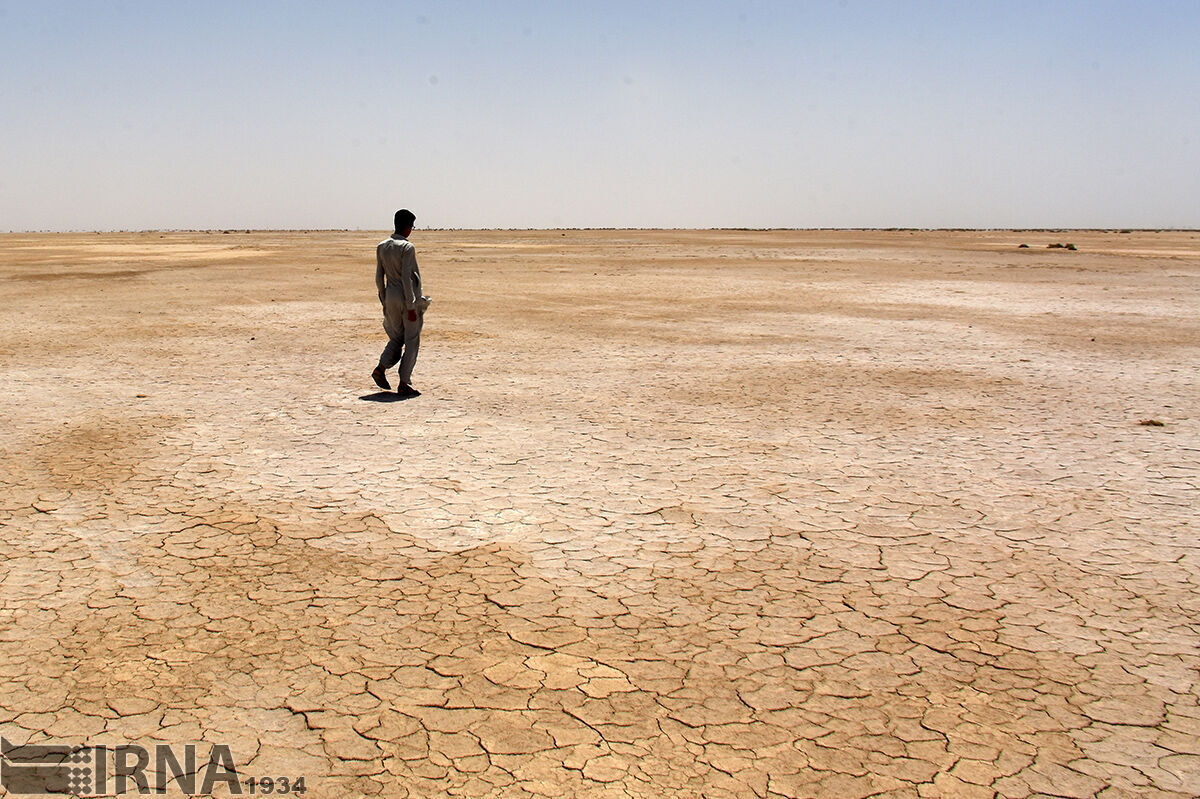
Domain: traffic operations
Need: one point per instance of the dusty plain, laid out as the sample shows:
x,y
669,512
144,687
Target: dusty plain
x,y
678,514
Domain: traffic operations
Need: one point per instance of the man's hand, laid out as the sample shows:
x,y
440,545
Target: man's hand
x,y
412,315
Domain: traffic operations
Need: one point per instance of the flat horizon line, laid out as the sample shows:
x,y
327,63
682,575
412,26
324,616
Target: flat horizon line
x,y
244,231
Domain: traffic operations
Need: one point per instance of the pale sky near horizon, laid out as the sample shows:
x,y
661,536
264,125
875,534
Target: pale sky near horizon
x,y
152,115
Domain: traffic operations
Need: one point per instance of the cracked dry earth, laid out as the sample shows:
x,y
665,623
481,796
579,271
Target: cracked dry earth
x,y
678,514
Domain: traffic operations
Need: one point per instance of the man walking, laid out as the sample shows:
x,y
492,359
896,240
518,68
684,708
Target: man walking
x,y
399,284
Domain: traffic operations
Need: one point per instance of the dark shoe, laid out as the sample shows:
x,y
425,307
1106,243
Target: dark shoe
x,y
404,389
380,378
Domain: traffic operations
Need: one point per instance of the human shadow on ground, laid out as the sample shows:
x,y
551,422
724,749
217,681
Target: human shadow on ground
x,y
387,396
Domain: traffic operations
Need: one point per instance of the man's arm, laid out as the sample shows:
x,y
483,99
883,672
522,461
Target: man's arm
x,y
379,284
408,269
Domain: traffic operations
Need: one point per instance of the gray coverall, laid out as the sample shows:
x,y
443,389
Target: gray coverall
x,y
399,284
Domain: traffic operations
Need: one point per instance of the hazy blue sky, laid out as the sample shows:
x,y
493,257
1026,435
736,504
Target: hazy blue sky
x,y
132,115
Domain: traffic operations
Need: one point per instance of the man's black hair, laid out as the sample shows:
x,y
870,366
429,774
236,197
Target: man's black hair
x,y
404,219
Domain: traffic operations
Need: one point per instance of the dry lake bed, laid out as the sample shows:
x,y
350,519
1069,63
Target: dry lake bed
x,y
677,514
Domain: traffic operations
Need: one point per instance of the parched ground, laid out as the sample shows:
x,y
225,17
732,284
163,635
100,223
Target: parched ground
x,y
678,514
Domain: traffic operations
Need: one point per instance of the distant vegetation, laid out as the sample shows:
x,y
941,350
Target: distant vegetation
x,y
1055,246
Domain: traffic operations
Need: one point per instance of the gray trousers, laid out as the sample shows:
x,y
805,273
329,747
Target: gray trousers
x,y
402,347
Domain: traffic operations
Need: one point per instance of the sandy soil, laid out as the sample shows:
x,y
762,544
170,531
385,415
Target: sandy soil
x,y
678,514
